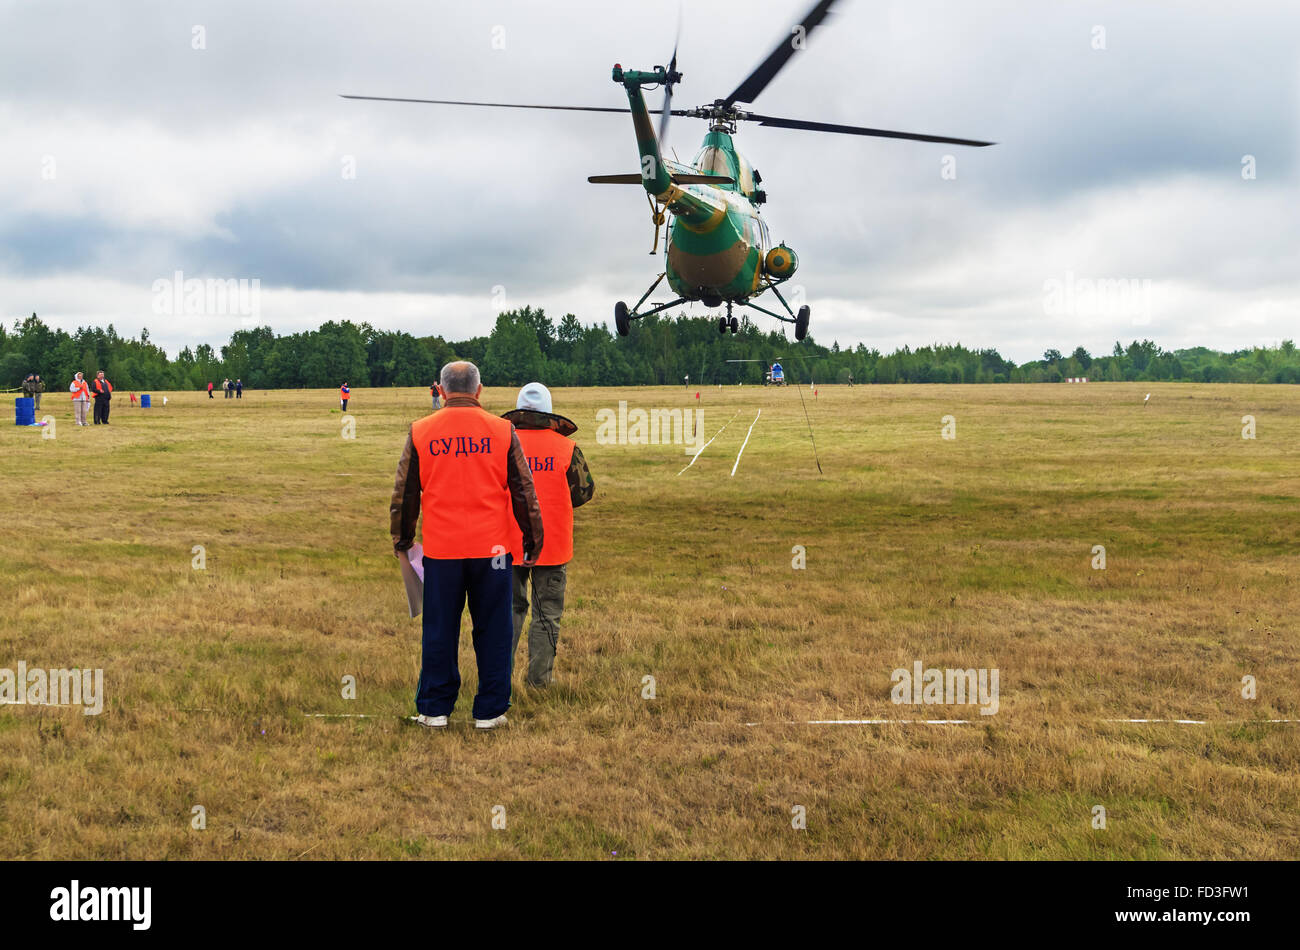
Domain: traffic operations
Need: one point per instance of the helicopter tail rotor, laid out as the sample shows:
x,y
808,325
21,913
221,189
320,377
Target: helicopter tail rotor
x,y
673,78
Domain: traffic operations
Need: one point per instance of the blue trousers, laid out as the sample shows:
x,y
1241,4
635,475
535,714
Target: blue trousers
x,y
447,585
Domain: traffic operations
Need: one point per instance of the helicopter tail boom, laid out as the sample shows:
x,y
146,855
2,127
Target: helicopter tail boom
x,y
692,209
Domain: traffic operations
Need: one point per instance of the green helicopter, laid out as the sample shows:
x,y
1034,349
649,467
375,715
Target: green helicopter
x,y
717,249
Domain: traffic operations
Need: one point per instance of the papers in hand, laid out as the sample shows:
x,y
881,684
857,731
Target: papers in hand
x,y
413,578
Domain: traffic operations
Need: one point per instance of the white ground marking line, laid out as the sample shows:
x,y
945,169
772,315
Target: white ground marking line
x,y
746,442
968,722
1204,722
340,716
706,444
849,722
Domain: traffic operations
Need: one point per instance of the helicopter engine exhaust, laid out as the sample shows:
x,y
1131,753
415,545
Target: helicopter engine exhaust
x,y
781,262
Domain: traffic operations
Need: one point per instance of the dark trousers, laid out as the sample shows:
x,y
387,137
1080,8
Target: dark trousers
x,y
101,410
447,586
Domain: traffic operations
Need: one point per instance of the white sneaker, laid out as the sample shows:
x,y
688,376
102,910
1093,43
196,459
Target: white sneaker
x,y
490,723
431,722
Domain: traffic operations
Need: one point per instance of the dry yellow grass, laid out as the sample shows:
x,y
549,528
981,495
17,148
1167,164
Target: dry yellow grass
x,y
974,552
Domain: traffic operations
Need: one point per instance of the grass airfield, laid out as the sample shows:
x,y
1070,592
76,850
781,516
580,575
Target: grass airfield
x,y
224,686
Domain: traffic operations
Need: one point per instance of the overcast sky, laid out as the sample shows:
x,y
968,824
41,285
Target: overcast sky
x,y
154,136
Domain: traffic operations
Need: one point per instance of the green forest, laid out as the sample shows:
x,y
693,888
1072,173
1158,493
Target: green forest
x,y
527,345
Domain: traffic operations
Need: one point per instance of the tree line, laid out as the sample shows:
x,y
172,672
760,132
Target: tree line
x,y
527,345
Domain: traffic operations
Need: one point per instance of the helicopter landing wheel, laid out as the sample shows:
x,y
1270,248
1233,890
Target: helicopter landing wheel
x,y
735,324
801,323
621,321
722,324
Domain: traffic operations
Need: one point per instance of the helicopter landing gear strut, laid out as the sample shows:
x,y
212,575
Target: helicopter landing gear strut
x,y
623,317
728,322
800,320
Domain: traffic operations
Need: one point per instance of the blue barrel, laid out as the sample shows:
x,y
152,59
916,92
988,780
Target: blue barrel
x,y
24,411
144,400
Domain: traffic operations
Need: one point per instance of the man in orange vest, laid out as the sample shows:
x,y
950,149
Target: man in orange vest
x,y
464,470
103,392
563,483
344,394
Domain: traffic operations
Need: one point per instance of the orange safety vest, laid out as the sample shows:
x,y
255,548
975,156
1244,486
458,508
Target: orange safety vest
x,y
100,389
549,455
343,393
82,391
465,494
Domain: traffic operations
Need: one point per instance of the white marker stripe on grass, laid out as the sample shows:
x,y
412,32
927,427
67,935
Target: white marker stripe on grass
x,y
1204,722
706,444
340,716
746,442
849,722
967,722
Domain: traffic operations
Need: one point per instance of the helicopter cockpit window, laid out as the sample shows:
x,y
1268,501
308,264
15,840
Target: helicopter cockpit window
x,y
711,160
745,180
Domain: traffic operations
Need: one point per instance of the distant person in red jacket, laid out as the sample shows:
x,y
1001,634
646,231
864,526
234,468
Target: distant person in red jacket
x,y
344,393
210,396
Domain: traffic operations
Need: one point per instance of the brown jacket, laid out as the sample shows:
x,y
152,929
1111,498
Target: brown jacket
x,y
404,509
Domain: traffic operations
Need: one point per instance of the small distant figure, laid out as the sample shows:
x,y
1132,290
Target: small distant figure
x,y
80,398
344,394
850,380
239,389
433,392
210,396
103,390
32,389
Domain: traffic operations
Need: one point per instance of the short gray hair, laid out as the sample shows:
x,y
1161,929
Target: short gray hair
x,y
460,377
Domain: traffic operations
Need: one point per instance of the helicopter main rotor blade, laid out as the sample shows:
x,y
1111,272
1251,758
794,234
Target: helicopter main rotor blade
x,y
780,123
757,81
498,105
